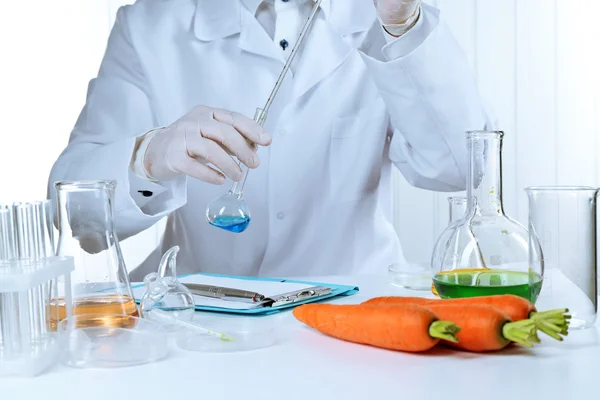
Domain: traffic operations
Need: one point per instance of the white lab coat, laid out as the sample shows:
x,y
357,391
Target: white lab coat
x,y
353,107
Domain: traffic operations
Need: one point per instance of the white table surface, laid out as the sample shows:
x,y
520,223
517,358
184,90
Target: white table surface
x,y
308,365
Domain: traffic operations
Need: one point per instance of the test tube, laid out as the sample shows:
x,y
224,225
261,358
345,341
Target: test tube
x,y
26,248
7,239
46,249
25,234
8,301
47,227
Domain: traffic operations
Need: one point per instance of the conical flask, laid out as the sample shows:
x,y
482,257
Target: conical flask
x,y
486,252
99,283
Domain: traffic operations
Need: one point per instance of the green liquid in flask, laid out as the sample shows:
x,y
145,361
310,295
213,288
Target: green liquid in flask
x,y
487,282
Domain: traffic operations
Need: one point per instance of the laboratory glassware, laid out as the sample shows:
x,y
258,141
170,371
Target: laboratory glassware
x,y
26,348
457,208
165,293
230,212
175,324
168,302
9,320
413,276
562,219
485,252
99,284
28,271
86,341
228,334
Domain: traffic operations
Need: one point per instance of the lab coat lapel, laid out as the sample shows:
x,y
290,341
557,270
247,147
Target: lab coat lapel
x,y
254,39
327,45
217,19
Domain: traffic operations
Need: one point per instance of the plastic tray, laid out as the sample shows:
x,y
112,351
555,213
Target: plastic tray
x,y
89,341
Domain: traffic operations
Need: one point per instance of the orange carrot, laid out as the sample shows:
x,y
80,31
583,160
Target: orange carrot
x,y
517,308
409,327
484,328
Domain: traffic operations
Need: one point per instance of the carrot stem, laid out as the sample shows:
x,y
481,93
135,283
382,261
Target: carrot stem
x,y
553,322
553,330
522,332
444,330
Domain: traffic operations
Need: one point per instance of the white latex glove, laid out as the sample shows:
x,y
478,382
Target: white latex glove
x,y
205,136
397,16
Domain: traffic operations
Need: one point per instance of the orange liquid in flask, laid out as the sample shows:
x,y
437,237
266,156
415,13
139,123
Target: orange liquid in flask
x,y
104,311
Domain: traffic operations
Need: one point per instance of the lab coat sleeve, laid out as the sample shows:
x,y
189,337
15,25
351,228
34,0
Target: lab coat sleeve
x,y
118,110
431,95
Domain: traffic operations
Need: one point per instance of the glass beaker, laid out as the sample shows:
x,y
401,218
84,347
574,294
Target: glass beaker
x,y
457,208
563,220
99,282
485,252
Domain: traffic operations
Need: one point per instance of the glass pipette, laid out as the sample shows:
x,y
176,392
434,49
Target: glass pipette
x,y
230,212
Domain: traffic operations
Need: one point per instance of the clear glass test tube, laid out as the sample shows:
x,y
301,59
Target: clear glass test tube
x,y
9,321
46,249
26,246
7,237
46,228
32,244
563,218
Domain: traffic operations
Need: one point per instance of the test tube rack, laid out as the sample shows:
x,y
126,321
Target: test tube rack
x,y
29,298
28,344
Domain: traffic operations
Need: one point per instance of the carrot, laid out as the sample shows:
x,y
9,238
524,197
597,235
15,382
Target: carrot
x,y
553,323
409,327
485,328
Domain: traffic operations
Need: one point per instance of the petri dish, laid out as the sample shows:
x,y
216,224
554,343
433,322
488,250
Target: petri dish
x,y
413,276
247,334
110,341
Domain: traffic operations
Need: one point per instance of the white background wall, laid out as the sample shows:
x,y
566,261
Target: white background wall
x,y
537,61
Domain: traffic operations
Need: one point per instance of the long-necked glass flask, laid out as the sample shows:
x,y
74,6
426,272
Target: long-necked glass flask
x,y
485,252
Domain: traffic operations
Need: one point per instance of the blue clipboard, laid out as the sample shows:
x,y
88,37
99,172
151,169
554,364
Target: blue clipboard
x,y
336,290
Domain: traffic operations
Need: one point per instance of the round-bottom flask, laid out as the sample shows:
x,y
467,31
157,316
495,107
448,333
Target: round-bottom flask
x,y
485,252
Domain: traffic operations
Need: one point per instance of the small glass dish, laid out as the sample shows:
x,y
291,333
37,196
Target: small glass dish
x,y
111,341
414,276
245,334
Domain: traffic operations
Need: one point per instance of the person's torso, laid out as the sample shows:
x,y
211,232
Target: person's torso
x,y
320,200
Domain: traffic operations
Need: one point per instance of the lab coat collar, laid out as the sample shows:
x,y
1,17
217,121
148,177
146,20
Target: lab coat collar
x,y
252,5
329,44
217,19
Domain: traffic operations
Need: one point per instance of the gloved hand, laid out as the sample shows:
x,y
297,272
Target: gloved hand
x,y
397,16
205,136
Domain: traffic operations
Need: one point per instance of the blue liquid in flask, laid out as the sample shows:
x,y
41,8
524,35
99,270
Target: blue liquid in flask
x,y
232,223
